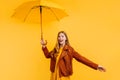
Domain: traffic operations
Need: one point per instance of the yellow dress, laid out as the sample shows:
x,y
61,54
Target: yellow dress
x,y
55,74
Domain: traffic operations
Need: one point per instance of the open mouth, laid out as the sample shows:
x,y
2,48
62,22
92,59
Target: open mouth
x,y
60,40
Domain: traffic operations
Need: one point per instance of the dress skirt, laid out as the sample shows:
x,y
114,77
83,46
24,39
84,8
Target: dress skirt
x,y
55,74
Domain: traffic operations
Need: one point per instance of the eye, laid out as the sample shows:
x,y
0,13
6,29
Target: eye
x,y
58,36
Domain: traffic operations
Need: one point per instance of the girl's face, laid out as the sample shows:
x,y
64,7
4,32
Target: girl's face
x,y
61,39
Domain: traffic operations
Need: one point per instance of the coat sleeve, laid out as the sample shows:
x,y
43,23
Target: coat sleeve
x,y
84,60
46,52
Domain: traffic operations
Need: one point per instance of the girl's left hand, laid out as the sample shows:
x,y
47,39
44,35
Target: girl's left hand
x,y
101,68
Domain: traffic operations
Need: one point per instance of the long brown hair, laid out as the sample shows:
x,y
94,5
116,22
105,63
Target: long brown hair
x,y
57,45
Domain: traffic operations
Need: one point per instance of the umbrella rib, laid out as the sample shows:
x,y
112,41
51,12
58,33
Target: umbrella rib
x,y
40,16
53,12
29,12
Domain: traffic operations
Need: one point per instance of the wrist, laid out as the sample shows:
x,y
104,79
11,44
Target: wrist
x,y
43,46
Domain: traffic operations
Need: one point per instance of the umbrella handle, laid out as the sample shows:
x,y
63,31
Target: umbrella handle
x,y
44,43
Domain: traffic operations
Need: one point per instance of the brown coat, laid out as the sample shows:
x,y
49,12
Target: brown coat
x,y
65,60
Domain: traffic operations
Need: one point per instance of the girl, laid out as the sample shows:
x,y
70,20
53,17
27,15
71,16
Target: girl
x,y
61,58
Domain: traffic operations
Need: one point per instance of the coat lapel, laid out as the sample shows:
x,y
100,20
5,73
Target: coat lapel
x,y
64,52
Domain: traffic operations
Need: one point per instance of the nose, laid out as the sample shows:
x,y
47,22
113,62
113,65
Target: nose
x,y
59,38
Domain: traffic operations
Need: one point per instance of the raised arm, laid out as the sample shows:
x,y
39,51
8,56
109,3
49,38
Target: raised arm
x,y
45,50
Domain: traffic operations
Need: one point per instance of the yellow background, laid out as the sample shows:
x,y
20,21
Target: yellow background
x,y
93,27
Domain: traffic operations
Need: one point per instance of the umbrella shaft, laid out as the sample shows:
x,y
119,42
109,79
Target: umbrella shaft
x,y
41,22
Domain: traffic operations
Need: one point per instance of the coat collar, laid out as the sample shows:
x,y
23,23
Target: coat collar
x,y
66,47
64,51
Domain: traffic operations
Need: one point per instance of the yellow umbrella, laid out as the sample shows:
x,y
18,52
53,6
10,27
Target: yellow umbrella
x,y
38,11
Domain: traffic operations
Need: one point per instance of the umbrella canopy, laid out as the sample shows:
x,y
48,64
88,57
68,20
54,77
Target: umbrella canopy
x,y
39,11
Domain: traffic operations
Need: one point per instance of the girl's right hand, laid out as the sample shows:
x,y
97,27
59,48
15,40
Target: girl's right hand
x,y
43,43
